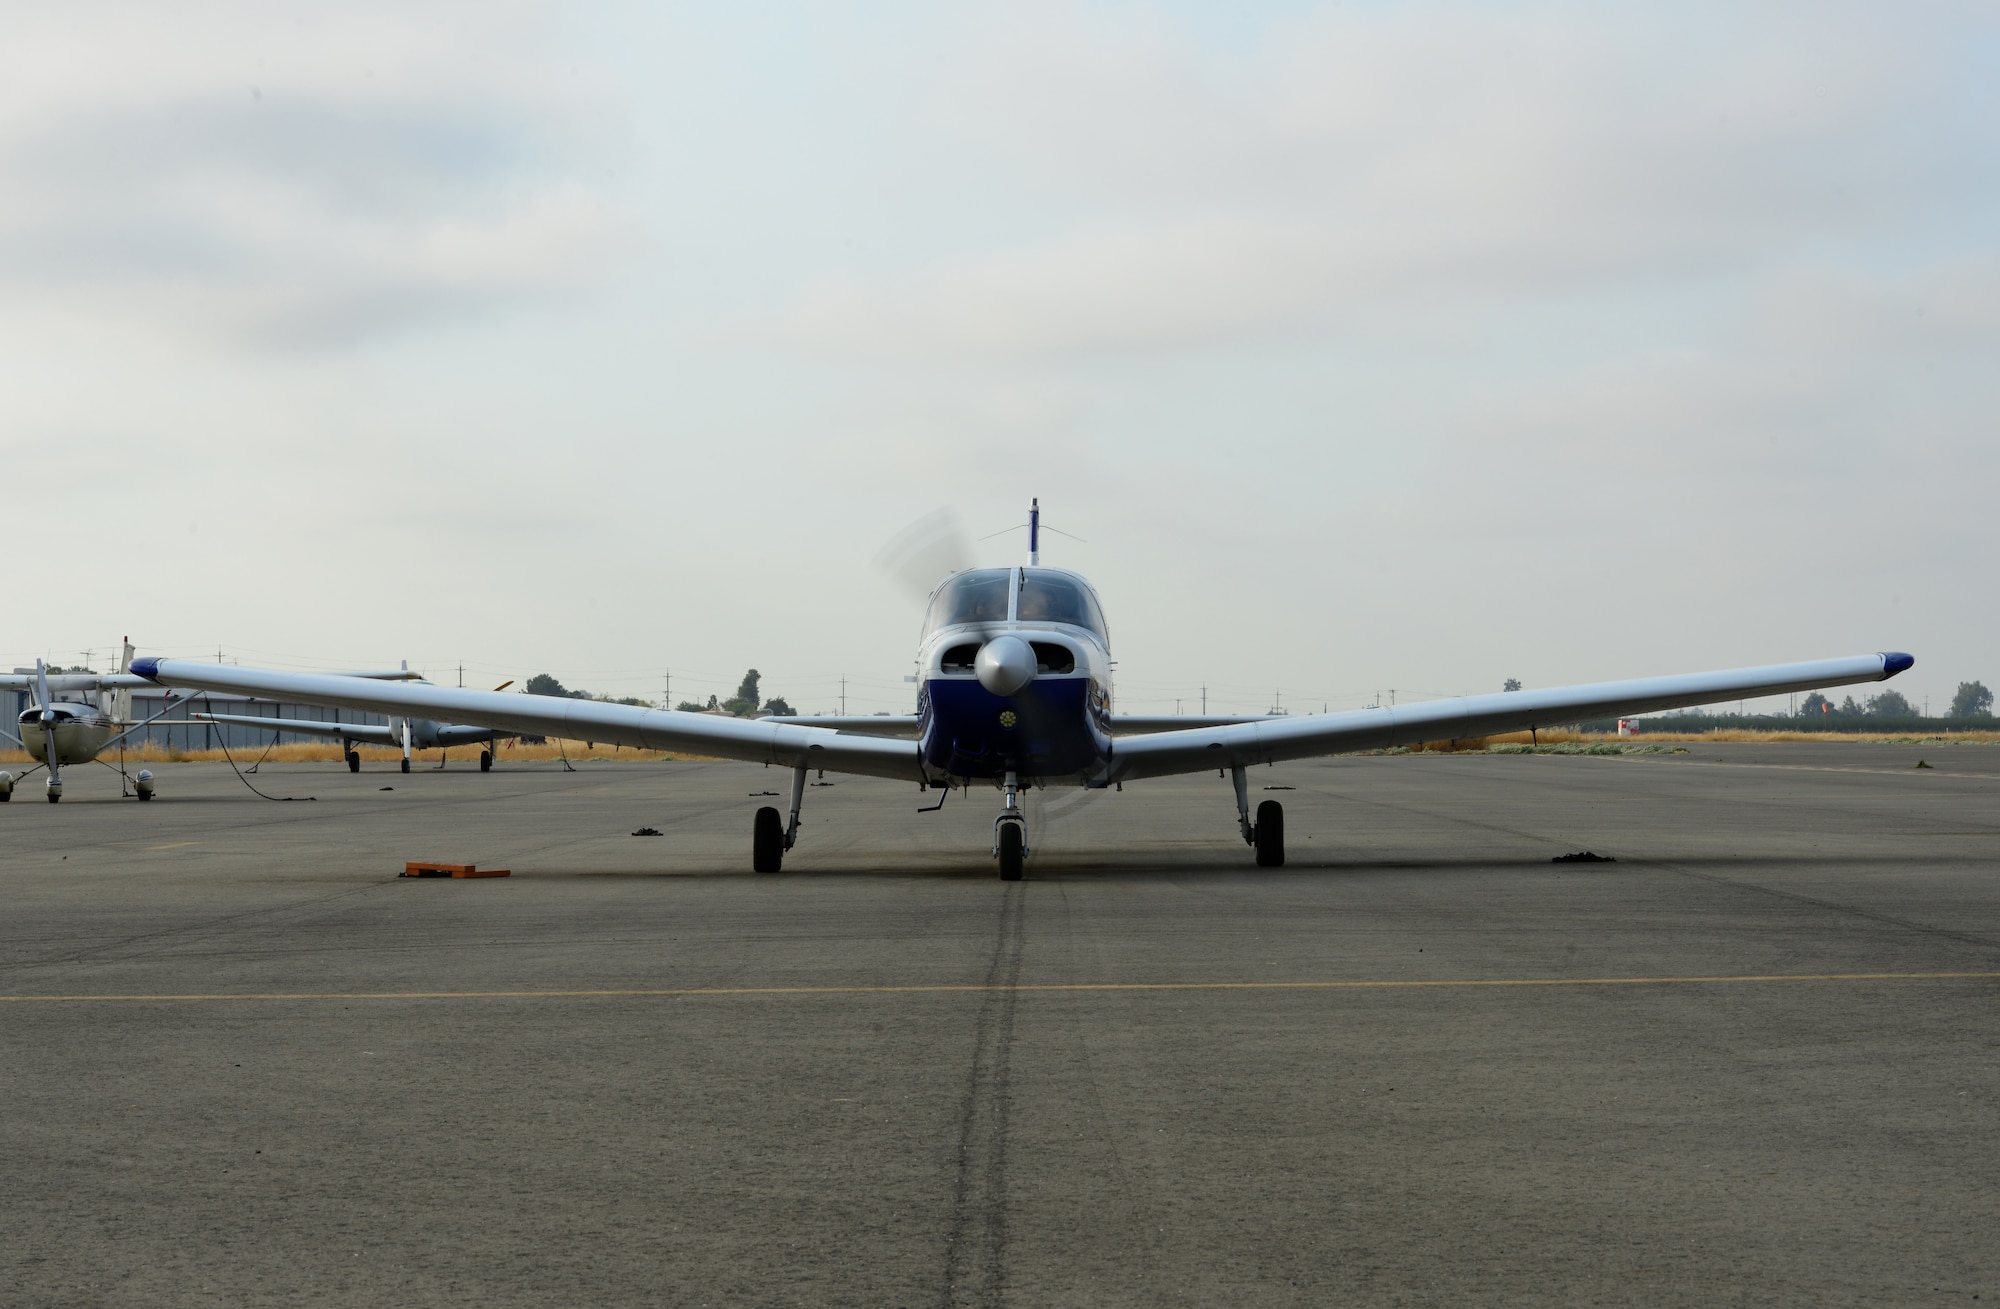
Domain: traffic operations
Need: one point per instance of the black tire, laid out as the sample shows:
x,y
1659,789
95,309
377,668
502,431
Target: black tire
x,y
485,761
1270,835
353,761
767,841
1010,852
406,765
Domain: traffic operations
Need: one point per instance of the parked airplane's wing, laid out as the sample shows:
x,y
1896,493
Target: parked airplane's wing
x,y
754,740
374,734
60,682
1274,739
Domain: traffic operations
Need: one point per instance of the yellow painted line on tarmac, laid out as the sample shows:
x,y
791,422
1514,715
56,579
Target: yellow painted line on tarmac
x,y
724,991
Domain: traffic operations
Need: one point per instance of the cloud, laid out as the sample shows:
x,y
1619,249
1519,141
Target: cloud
x,y
1362,166
290,175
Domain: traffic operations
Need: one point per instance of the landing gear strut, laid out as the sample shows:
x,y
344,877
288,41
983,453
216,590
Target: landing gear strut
x,y
1267,834
770,837
1010,833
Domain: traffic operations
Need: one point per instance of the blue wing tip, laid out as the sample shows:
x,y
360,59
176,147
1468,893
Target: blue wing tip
x,y
1893,662
148,668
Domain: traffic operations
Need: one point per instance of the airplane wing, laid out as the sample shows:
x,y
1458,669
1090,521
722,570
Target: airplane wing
x,y
759,741
375,734
1274,739
59,682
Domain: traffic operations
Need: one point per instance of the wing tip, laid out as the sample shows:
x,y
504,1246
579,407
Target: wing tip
x,y
148,668
1893,662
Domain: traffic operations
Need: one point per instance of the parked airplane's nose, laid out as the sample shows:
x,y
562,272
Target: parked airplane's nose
x,y
1005,665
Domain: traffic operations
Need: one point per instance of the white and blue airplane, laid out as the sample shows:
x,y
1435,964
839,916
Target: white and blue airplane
x,y
1015,693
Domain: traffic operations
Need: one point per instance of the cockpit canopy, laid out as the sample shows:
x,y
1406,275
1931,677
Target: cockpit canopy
x,y
989,595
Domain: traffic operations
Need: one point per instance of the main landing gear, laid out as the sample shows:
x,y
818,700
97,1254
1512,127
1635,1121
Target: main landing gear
x,y
1010,833
769,836
1267,834
485,761
353,761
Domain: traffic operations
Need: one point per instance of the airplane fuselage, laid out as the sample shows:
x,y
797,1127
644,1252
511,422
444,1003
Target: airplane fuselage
x,y
1016,678
79,732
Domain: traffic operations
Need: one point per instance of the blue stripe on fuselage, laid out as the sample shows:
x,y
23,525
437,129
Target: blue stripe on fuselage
x,y
1057,729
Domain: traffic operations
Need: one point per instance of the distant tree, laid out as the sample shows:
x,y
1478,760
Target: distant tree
x,y
1972,701
776,704
1848,708
1815,706
748,690
693,706
1891,704
543,684
1513,684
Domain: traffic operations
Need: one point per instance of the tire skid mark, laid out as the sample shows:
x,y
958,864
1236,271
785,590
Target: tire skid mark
x,y
976,1243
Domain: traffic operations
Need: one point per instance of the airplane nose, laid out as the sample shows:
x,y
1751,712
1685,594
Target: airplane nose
x,y
1005,665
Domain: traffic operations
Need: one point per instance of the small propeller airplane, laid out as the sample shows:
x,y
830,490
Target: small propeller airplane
x,y
1015,693
410,733
59,732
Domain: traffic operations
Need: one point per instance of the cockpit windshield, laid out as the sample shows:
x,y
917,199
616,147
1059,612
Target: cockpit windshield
x,y
976,596
1057,598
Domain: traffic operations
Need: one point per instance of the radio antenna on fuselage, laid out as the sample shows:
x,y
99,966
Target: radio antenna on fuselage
x,y
1035,532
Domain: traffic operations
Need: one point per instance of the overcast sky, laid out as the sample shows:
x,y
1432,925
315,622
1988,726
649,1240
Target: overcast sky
x,y
1366,345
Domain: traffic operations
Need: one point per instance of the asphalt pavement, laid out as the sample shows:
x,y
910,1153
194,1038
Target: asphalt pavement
x,y
1751,1060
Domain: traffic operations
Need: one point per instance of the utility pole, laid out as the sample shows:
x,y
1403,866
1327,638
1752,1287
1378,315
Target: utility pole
x,y
843,697
1392,697
667,689
1204,701
461,677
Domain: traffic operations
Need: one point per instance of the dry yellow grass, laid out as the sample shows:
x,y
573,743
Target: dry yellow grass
x,y
1564,736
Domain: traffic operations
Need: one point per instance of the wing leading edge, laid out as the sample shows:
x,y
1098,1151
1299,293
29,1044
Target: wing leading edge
x,y
757,742
1272,740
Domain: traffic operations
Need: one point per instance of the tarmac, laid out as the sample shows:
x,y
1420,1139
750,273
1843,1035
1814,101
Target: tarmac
x,y
1750,1062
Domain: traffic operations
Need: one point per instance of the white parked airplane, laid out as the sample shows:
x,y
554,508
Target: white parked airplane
x,y
410,733
66,726
1016,692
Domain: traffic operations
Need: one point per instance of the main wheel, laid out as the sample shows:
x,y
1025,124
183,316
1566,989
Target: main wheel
x,y
485,761
1270,835
353,761
1010,852
406,765
767,841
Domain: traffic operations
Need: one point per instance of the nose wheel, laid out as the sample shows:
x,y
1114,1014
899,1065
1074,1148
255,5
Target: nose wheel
x,y
1013,850
1010,834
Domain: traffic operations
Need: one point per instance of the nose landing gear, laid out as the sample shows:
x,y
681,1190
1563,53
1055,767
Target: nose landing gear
x,y
1010,829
